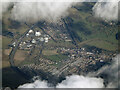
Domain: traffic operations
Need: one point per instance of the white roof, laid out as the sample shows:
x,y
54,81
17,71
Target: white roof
x,y
41,39
46,39
33,41
30,31
37,33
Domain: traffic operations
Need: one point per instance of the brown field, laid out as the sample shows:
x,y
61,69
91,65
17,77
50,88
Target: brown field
x,y
5,64
20,55
49,52
0,58
0,64
7,51
5,61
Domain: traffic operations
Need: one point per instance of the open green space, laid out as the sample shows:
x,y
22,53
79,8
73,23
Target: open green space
x,y
5,42
85,27
56,58
49,52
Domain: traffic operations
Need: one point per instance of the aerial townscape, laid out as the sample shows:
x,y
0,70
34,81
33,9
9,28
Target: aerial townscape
x,y
55,50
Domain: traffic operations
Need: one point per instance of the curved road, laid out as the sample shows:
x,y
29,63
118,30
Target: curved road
x,y
13,51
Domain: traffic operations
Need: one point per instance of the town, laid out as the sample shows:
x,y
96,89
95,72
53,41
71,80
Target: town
x,y
52,50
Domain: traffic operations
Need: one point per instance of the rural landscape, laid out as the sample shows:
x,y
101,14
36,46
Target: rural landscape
x,y
77,44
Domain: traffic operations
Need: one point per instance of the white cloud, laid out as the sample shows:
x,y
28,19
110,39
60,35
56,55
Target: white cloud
x,y
106,10
111,71
4,7
36,84
36,11
89,81
76,81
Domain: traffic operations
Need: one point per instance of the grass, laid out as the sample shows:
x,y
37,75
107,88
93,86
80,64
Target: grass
x,y
104,45
5,58
49,52
100,43
20,55
0,42
87,27
56,58
5,42
60,44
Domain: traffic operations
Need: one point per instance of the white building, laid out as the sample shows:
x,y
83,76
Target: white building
x,y
37,33
41,39
89,53
27,34
14,43
33,41
30,31
46,39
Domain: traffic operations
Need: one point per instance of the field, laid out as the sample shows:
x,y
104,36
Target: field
x,y
56,58
5,42
100,43
90,30
104,45
85,28
20,55
5,51
49,52
60,44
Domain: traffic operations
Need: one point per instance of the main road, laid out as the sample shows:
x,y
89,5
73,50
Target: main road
x,y
13,51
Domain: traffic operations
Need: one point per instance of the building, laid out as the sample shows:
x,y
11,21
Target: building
x,y
37,33
46,39
41,39
30,31
33,41
14,43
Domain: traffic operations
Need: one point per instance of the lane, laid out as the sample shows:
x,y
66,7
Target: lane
x,y
13,51
47,33
70,33
39,53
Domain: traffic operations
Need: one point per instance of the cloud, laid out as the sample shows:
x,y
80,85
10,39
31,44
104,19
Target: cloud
x,y
36,11
112,71
89,81
106,9
4,7
36,84
76,81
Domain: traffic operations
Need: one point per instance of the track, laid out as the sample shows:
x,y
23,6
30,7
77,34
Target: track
x,y
47,33
13,51
70,33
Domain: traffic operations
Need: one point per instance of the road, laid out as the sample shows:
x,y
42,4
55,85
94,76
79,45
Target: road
x,y
70,63
47,33
13,51
70,33
39,53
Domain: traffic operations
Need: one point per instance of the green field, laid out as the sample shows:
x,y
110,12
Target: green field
x,y
85,27
5,42
56,58
103,44
49,52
